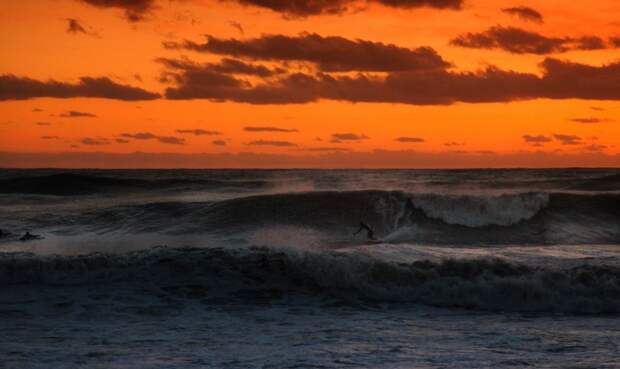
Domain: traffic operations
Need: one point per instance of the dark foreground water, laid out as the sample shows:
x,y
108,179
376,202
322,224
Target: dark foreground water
x,y
259,269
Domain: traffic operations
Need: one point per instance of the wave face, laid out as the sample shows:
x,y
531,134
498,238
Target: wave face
x,y
396,216
258,275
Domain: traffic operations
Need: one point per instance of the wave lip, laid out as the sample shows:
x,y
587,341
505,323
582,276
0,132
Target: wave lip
x,y
225,276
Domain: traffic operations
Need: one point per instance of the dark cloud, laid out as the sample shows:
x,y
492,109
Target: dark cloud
x,y
272,143
135,10
453,143
537,141
410,139
330,54
198,132
21,88
50,137
77,114
340,137
525,13
171,140
304,8
191,69
269,129
95,141
37,110
519,41
559,80
590,120
43,123
121,140
568,139
219,143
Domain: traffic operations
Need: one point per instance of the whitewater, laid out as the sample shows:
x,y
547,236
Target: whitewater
x,y
260,268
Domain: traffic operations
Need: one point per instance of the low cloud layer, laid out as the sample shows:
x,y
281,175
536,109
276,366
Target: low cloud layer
x,y
519,41
305,8
371,159
341,137
559,80
330,54
568,139
21,88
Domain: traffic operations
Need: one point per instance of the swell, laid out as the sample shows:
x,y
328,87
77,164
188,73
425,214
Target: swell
x,y
526,218
231,276
70,184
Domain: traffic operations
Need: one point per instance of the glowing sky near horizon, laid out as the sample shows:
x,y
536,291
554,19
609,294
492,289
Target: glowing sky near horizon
x,y
345,83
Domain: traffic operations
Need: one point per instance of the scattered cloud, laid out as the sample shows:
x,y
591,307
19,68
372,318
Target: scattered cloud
x,y
121,140
597,108
50,137
269,129
171,140
75,27
410,139
37,110
198,132
525,13
77,114
95,141
21,88
341,137
454,143
43,123
135,10
568,139
219,142
272,143
537,141
596,147
330,54
237,26
590,120
519,41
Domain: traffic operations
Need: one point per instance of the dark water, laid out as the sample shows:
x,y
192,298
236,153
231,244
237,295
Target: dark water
x,y
180,268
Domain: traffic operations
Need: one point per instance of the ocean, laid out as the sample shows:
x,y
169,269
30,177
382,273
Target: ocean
x,y
262,269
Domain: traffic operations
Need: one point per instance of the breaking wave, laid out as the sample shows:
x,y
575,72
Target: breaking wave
x,y
259,274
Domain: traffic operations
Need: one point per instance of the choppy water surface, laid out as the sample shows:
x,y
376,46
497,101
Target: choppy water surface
x,y
238,269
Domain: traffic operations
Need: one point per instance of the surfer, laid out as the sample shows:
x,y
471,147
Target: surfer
x,y
30,237
369,232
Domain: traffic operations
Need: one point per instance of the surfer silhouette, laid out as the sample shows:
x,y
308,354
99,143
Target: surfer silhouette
x,y
369,232
30,237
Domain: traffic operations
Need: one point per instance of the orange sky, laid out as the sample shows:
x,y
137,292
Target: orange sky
x,y
534,126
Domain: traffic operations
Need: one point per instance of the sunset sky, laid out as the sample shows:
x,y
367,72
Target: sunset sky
x,y
309,83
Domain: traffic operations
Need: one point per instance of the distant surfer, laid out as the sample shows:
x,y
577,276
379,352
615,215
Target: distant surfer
x,y
369,232
30,237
